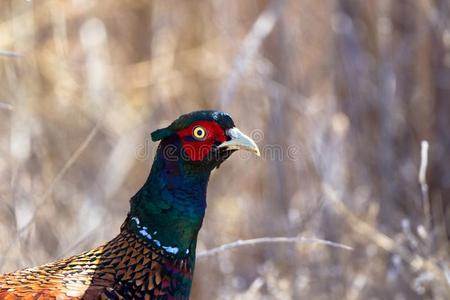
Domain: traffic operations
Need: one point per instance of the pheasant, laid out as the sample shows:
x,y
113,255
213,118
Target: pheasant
x,y
153,256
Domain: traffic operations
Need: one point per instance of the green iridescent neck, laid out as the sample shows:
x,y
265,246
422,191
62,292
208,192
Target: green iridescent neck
x,y
168,210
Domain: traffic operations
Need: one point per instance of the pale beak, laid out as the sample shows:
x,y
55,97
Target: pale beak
x,y
239,141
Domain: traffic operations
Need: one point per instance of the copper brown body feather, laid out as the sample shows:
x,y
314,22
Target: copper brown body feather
x,y
124,268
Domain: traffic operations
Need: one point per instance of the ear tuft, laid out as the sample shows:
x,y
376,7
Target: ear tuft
x,y
161,134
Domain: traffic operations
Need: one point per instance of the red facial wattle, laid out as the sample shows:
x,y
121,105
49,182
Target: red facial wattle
x,y
198,149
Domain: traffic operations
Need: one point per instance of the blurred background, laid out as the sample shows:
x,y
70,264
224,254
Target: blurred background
x,y
342,91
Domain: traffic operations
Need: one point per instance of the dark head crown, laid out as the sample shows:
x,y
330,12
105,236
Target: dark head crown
x,y
221,118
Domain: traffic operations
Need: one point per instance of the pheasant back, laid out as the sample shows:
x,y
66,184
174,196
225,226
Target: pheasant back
x,y
124,268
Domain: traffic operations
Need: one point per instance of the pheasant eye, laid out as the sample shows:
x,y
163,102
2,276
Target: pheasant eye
x,y
199,133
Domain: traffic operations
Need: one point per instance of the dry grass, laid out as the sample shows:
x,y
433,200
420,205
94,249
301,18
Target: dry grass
x,y
343,92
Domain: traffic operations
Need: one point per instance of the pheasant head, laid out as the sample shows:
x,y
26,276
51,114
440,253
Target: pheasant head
x,y
168,210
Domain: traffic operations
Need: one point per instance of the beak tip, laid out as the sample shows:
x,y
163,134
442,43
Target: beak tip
x,y
240,141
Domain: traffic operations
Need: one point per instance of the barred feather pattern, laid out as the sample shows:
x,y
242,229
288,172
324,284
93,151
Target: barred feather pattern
x,y
125,268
